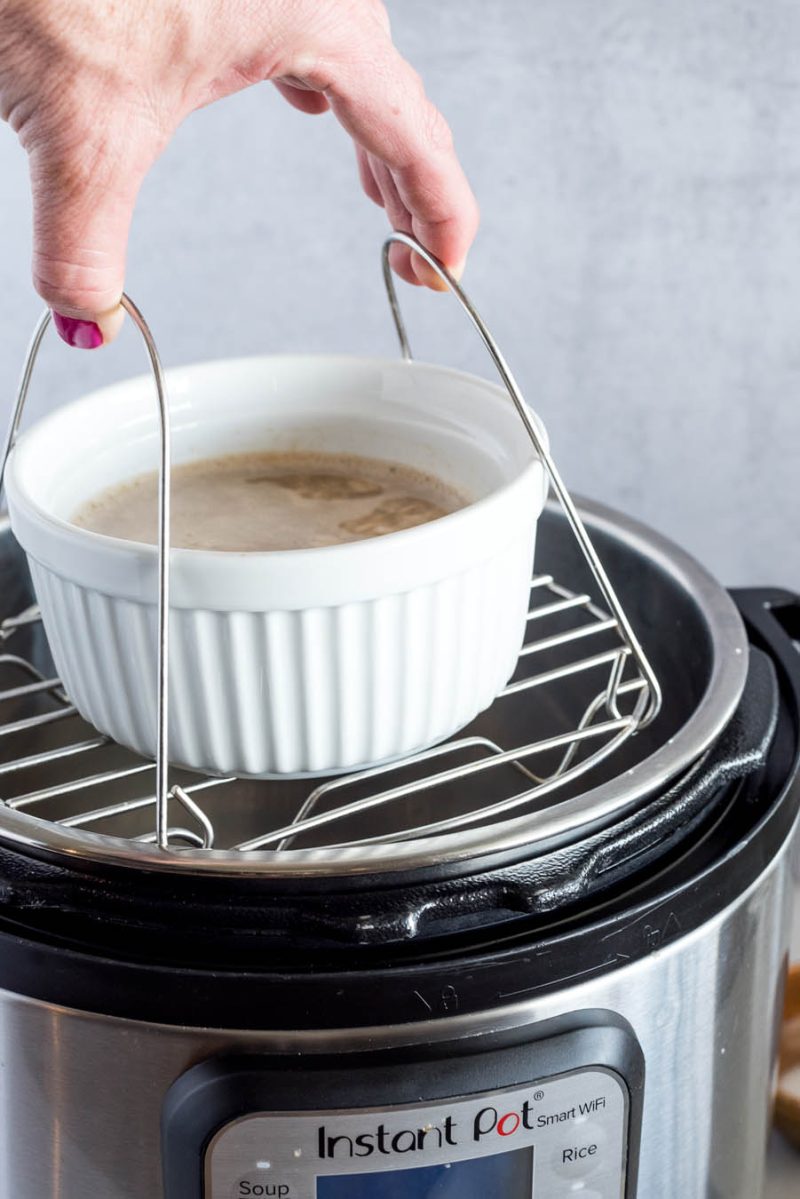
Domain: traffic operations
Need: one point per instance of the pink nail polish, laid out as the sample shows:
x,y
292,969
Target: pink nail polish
x,y
84,335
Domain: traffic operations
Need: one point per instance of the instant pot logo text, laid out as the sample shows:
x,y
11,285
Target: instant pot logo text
x,y
386,1141
492,1123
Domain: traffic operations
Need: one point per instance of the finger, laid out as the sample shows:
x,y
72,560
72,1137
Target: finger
x,y
301,98
381,102
371,171
83,199
399,256
381,15
368,183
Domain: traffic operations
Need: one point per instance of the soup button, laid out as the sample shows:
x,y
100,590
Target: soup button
x,y
259,1186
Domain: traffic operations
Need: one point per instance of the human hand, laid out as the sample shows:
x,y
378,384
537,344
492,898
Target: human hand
x,y
96,88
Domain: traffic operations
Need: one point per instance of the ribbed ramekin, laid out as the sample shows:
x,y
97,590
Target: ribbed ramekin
x,y
302,661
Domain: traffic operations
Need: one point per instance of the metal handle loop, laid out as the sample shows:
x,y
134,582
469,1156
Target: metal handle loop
x,y
598,570
162,711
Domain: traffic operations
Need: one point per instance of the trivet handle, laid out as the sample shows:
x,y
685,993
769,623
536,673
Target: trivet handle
x,y
162,711
579,529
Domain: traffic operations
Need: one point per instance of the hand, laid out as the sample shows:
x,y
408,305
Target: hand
x,y
96,88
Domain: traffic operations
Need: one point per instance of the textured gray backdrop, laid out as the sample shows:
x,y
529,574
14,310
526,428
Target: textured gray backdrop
x,y
638,167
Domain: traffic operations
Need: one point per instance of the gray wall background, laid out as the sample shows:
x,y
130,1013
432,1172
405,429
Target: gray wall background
x,y
638,167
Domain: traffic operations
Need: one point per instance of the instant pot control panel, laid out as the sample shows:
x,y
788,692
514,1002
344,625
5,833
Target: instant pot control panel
x,y
249,1128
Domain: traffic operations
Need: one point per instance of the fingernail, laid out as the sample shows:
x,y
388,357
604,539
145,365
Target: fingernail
x,y
430,278
84,335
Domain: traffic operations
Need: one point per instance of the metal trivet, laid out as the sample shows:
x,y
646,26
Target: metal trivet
x,y
55,767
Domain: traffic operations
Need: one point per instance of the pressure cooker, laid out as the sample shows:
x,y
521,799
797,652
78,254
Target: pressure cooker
x,y
543,959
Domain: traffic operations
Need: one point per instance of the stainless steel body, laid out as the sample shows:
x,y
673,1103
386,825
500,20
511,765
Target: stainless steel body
x,y
81,1095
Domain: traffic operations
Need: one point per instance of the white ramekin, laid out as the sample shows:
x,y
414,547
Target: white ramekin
x,y
301,661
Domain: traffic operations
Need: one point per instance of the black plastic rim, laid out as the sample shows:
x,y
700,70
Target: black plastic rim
x,y
494,967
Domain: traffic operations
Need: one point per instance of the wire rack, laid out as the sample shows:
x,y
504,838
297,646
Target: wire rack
x,y
587,705
56,767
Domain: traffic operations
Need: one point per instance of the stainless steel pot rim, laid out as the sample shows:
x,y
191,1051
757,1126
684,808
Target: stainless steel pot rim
x,y
566,821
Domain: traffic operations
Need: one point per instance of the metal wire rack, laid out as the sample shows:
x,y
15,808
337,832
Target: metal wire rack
x,y
56,767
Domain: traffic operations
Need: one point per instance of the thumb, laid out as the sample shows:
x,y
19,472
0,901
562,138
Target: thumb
x,y
83,200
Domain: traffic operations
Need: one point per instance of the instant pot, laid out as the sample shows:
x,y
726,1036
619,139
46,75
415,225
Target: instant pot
x,y
544,960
